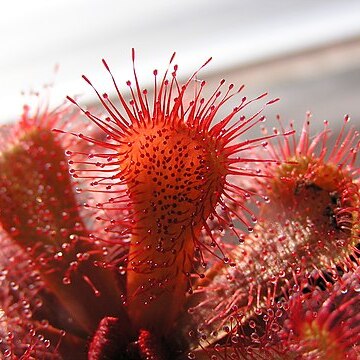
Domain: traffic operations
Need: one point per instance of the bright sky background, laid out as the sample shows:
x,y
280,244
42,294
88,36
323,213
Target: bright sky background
x,y
36,35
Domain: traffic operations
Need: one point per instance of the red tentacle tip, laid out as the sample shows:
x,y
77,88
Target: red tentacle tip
x,y
172,57
71,99
133,54
86,79
105,64
272,101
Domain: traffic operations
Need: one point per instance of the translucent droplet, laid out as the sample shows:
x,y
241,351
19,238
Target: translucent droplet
x,y
7,353
66,280
27,313
258,311
235,339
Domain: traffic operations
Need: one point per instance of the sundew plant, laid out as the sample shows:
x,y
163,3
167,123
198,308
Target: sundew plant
x,y
154,227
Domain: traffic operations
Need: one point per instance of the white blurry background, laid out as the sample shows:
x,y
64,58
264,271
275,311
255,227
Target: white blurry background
x,y
306,52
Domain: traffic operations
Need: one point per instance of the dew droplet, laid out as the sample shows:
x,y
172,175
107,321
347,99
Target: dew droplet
x,y
27,313
66,280
258,311
7,353
255,337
